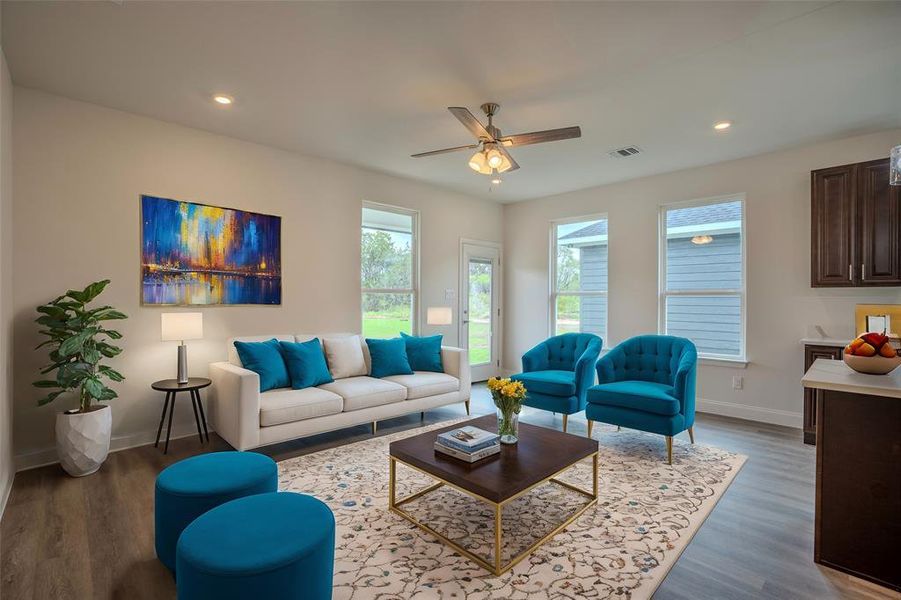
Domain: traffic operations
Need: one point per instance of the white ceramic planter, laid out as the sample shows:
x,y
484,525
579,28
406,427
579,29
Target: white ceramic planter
x,y
82,440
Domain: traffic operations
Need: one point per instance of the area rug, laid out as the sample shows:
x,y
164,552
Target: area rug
x,y
623,547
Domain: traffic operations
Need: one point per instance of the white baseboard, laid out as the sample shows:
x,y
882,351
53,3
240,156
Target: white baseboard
x,y
751,413
47,456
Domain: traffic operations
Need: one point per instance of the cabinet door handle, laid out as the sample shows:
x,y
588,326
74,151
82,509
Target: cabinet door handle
x,y
863,271
850,272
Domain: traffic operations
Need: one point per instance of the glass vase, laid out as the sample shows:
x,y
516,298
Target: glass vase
x,y
508,426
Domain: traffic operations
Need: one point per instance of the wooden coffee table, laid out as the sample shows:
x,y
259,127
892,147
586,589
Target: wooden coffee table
x,y
539,457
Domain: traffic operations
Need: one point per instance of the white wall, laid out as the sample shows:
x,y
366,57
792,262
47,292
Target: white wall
x,y
782,307
80,170
7,469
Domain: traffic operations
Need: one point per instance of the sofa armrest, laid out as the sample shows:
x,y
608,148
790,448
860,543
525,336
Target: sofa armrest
x,y
606,366
235,404
456,363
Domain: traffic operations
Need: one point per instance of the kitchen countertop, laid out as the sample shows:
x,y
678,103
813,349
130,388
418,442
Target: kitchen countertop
x,y
825,341
826,374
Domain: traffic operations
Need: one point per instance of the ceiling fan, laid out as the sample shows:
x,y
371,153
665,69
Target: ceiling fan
x,y
491,156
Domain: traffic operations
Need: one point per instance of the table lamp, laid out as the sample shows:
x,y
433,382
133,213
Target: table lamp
x,y
178,327
439,315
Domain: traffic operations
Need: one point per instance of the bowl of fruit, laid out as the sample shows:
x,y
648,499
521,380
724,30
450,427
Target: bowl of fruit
x,y
872,353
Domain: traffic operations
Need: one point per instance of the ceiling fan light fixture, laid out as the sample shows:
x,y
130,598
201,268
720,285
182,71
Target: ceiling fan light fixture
x,y
494,156
477,161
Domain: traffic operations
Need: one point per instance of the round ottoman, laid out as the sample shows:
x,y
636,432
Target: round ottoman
x,y
191,487
279,545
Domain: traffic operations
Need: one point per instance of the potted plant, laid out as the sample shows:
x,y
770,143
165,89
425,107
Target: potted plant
x,y
79,342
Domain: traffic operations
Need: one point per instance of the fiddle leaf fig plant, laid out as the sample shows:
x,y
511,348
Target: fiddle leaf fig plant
x,y
79,341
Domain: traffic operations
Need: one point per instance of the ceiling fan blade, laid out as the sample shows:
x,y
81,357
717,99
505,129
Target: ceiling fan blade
x,y
537,137
445,151
513,164
470,122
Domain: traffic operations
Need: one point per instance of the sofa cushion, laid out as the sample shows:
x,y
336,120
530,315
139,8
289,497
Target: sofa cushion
x,y
233,357
388,357
552,383
345,356
647,396
306,363
265,359
286,405
363,392
425,383
424,353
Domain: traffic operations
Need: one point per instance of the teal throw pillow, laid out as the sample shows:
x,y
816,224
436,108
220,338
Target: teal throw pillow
x,y
265,359
306,363
424,353
388,357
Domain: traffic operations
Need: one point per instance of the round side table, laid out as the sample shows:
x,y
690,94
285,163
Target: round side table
x,y
172,388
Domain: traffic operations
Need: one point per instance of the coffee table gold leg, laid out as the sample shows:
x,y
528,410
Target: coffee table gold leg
x,y
594,475
392,470
497,538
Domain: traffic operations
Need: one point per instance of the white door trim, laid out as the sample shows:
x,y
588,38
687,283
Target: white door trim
x,y
499,310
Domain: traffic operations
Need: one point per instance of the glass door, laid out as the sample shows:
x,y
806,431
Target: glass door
x,y
480,308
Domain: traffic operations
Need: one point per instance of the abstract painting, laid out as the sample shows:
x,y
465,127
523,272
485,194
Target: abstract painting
x,y
197,254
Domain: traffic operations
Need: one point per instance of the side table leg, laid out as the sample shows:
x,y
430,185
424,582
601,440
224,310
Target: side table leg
x,y
159,429
169,428
202,415
196,416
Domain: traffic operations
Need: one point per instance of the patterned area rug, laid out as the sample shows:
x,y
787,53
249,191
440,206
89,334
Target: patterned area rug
x,y
623,547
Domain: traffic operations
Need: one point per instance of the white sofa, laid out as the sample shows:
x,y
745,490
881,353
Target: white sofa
x,y
247,418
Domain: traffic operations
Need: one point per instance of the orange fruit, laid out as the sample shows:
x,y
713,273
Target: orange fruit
x,y
887,351
866,350
855,344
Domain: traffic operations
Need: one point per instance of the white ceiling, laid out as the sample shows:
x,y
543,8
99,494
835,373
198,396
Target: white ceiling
x,y
368,83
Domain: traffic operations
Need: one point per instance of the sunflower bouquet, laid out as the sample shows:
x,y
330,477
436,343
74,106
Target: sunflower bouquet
x,y
508,396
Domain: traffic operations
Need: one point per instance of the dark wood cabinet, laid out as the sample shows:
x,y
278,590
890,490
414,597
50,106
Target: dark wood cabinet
x,y
855,226
811,353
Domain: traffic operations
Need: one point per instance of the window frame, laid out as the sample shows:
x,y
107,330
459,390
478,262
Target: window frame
x,y
553,293
414,262
741,292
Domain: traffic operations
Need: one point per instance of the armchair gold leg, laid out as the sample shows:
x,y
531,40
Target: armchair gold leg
x,y
691,434
669,449
590,425
375,426
467,408
564,422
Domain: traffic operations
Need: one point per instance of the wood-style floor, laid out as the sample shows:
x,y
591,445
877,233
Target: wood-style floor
x,y
92,538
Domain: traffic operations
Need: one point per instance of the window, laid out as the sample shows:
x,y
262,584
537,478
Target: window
x,y
579,276
702,275
389,271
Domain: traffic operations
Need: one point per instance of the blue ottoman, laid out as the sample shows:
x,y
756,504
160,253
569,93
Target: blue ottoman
x,y
191,487
279,545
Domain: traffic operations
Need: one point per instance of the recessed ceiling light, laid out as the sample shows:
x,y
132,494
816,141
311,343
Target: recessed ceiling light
x,y
223,99
722,125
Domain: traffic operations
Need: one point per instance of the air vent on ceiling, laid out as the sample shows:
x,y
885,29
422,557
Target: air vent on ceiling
x,y
625,152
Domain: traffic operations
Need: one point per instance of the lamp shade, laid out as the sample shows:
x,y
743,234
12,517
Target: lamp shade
x,y
439,315
180,326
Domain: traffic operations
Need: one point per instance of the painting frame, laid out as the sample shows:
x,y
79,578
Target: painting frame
x,y
275,222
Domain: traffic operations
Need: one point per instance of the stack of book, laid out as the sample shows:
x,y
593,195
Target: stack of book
x,y
467,443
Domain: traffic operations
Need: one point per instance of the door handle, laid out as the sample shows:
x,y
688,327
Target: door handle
x,y
863,271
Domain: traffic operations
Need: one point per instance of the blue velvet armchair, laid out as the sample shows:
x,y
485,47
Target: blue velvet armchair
x,y
647,383
558,372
